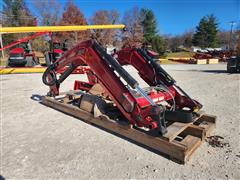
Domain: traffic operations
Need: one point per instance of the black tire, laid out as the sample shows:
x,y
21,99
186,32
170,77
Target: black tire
x,y
231,69
179,116
8,63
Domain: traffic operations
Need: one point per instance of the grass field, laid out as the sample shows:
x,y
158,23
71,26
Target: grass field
x,y
180,55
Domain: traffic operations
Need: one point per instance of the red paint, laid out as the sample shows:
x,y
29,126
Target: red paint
x,y
17,51
58,51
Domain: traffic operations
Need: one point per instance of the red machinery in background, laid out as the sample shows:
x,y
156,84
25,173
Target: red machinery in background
x,y
18,56
55,52
22,56
151,108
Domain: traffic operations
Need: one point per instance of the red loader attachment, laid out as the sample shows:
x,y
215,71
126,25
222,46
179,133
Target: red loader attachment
x,y
155,116
143,108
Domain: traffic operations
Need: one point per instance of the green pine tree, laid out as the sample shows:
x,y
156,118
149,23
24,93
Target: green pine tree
x,y
15,14
151,36
212,29
206,32
149,24
158,44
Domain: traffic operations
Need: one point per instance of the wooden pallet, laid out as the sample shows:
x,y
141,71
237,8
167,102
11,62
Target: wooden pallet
x,y
179,143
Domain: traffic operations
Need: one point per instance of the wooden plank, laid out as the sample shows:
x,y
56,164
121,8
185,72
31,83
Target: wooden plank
x,y
173,149
175,129
194,131
71,92
208,122
71,95
201,61
208,118
208,128
213,61
192,144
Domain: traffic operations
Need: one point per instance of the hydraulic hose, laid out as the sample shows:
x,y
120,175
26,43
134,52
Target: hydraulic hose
x,y
49,71
156,66
66,73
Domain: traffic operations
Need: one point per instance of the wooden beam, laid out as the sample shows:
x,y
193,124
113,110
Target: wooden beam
x,y
181,151
174,129
173,149
192,144
194,131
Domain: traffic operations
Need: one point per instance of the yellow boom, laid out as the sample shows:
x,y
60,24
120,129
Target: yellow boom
x,y
4,30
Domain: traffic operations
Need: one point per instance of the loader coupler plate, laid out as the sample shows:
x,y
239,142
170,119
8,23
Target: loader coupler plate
x,y
178,144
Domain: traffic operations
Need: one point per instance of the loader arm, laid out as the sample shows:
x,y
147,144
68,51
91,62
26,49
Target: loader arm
x,y
154,75
108,73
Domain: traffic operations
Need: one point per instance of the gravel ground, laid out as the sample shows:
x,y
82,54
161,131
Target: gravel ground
x,y
39,142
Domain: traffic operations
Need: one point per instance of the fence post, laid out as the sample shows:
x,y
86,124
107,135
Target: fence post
x,y
1,43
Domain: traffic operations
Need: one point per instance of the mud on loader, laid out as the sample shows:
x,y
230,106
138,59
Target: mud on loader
x,y
161,116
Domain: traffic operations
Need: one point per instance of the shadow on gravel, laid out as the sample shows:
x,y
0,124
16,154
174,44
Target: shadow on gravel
x,y
216,71
207,71
2,178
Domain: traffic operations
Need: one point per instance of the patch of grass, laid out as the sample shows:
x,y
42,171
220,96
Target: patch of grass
x,y
3,61
183,54
166,61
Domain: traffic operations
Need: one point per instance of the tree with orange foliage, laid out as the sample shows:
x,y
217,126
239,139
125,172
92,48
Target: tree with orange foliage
x,y
73,16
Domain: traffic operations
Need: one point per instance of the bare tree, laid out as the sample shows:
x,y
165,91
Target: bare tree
x,y
185,39
106,36
224,37
134,32
238,42
173,42
48,10
48,13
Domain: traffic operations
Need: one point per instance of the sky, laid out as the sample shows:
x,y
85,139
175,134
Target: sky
x,y
173,16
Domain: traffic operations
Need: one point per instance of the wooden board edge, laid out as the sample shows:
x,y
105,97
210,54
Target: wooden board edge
x,y
192,144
